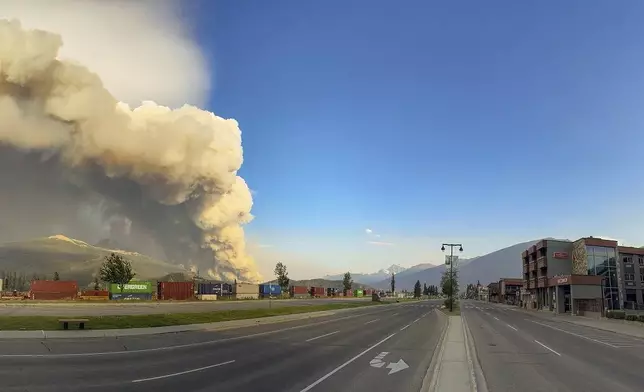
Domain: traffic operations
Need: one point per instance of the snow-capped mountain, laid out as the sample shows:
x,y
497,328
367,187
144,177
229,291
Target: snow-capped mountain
x,y
384,273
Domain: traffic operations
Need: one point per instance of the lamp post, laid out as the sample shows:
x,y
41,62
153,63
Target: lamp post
x,y
451,271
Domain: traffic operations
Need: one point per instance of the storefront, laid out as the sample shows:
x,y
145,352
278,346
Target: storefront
x,y
579,295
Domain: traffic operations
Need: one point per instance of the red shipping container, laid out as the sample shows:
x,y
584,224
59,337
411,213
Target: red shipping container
x,y
176,290
348,293
298,290
318,292
53,289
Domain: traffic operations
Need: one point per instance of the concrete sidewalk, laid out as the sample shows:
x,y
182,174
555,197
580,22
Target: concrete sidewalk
x,y
454,371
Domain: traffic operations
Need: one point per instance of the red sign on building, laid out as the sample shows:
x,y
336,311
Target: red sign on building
x,y
560,255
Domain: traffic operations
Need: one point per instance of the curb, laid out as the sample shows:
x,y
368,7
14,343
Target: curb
x,y
429,381
476,371
203,327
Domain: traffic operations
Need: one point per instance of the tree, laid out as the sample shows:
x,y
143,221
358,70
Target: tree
x,y
425,289
347,282
282,276
116,269
417,289
56,276
393,283
449,285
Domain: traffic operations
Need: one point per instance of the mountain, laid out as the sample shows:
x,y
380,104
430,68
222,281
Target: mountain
x,y
370,277
323,283
75,260
503,263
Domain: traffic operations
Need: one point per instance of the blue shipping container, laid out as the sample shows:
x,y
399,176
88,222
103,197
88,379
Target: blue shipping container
x,y
270,289
209,288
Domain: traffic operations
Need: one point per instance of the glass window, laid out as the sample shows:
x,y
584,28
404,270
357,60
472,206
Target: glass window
x,y
591,265
611,252
601,269
599,251
640,260
629,277
612,275
589,250
611,262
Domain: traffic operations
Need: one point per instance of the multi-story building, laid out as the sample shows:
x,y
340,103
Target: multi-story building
x,y
509,289
587,275
493,292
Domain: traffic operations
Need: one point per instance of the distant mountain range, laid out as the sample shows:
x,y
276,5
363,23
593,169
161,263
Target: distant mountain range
x,y
375,277
504,263
337,284
78,260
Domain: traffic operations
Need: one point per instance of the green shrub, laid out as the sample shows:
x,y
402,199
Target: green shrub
x,y
641,318
631,317
619,314
610,314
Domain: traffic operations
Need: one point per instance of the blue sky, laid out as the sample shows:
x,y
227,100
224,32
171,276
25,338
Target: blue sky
x,y
487,123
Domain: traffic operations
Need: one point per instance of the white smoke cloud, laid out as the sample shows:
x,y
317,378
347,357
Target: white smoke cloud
x,y
172,171
141,49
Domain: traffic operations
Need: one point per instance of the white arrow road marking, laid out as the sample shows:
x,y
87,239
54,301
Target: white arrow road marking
x,y
377,360
397,366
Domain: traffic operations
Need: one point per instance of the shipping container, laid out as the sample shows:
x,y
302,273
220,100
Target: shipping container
x,y
330,292
358,293
131,296
53,289
318,292
209,288
348,293
298,290
246,296
246,288
368,292
134,287
270,289
178,291
207,297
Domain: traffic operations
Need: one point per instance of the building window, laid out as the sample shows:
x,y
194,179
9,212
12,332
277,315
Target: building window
x,y
627,259
629,277
641,275
640,260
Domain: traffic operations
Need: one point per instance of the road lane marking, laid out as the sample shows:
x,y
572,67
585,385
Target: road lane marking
x,y
511,327
546,347
573,334
405,327
332,372
185,372
496,318
415,321
321,336
395,314
371,321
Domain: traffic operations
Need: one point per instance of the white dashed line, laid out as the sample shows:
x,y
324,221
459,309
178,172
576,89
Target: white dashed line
x,y
574,334
405,327
321,336
496,318
546,347
371,321
511,327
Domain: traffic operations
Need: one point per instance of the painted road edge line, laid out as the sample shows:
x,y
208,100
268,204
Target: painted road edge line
x,y
332,372
184,372
573,334
546,347
509,326
321,336
480,384
371,321
405,327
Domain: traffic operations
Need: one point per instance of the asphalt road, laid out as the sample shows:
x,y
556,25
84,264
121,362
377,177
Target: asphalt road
x,y
27,308
522,352
382,348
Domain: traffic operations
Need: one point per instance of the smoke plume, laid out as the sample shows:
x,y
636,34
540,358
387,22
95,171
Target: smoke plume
x,y
151,171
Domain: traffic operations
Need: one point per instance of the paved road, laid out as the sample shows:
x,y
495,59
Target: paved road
x,y
522,352
111,308
358,350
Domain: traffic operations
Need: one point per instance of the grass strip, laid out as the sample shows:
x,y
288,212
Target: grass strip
x,y
49,323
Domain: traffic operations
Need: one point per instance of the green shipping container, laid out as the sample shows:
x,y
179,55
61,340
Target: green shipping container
x,y
358,293
142,287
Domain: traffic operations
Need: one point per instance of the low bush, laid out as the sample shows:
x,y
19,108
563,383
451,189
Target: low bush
x,y
631,317
619,314
641,318
609,314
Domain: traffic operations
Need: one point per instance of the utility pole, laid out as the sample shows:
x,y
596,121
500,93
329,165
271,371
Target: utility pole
x,y
451,271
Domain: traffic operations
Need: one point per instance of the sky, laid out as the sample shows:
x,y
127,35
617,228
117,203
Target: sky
x,y
373,132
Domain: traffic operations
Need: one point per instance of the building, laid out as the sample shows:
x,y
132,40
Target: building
x,y
493,292
588,275
482,293
509,290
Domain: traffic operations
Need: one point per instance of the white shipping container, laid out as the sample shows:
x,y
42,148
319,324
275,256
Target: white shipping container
x,y
207,297
1,286
246,288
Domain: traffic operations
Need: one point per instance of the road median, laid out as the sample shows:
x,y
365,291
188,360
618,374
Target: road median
x,y
12,326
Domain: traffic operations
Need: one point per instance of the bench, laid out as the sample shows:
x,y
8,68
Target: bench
x,y
80,322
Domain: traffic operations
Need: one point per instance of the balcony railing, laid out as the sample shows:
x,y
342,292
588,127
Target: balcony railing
x,y
542,262
542,282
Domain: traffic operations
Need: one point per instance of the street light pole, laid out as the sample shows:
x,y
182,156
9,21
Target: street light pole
x,y
451,272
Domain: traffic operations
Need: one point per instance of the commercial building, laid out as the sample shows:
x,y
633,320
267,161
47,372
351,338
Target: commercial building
x,y
588,275
509,290
493,292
